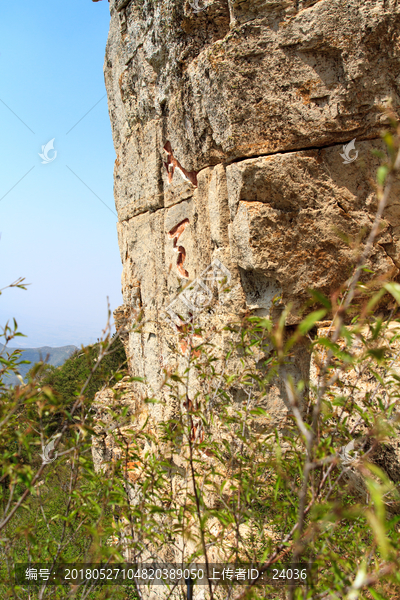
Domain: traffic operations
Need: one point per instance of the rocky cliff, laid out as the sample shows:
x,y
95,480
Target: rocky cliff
x,y
246,135
229,120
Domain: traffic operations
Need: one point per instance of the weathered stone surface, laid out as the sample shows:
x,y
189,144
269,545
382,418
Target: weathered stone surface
x,y
276,223
241,79
241,90
257,99
290,212
249,79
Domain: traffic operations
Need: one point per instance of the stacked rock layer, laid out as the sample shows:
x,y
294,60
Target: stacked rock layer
x,y
232,123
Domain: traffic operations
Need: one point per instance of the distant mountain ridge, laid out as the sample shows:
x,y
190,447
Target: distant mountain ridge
x,y
56,357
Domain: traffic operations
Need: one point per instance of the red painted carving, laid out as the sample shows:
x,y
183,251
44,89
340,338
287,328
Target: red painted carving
x,y
175,233
172,164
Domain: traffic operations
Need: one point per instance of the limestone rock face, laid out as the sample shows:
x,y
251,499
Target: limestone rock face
x,y
258,100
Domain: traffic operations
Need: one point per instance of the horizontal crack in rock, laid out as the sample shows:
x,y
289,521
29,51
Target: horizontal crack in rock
x,y
194,174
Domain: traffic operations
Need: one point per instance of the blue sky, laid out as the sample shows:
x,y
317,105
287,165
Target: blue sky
x,y
54,231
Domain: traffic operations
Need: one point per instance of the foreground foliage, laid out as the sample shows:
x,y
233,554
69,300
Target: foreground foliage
x,y
220,477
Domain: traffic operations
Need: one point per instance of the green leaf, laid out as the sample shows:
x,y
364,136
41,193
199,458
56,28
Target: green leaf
x,y
375,299
378,472
377,353
378,528
266,323
258,412
321,298
339,401
378,153
389,140
382,174
376,595
310,320
394,290
348,335
326,342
